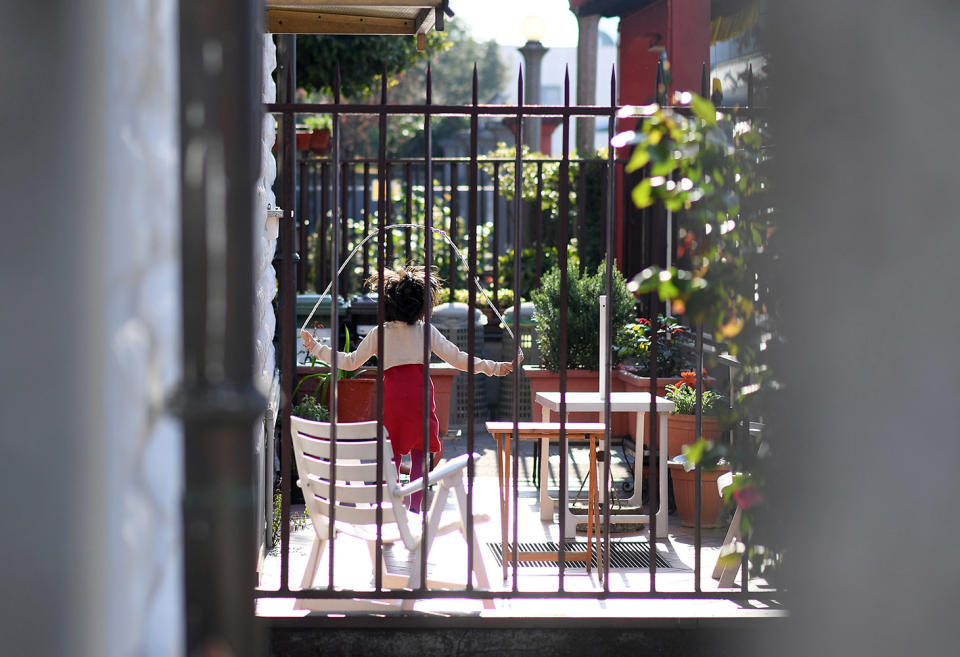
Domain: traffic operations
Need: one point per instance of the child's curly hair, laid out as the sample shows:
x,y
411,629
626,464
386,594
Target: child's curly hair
x,y
405,292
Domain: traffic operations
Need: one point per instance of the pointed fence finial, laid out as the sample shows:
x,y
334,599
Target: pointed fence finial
x,y
566,86
476,85
383,85
659,91
429,84
613,85
336,83
520,86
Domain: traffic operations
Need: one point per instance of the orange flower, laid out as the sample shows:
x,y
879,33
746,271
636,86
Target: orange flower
x,y
689,379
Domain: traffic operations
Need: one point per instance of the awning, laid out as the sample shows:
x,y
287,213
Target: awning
x,y
355,16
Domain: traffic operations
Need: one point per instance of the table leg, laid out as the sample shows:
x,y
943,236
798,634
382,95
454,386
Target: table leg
x,y
637,498
546,504
506,504
663,519
591,499
502,492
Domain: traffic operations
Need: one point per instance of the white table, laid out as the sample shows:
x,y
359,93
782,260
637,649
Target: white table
x,y
620,402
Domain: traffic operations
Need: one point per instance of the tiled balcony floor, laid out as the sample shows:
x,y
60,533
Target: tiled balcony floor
x,y
448,556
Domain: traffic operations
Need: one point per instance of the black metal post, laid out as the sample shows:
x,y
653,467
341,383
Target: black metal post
x,y
220,113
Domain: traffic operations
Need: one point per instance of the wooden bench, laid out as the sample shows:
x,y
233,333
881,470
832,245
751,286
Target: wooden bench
x,y
544,432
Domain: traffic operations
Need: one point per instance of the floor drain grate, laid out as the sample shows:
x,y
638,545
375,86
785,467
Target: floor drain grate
x,y
625,554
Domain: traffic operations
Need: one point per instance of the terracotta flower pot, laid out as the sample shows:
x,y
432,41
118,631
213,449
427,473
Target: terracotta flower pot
x,y
320,140
684,494
303,141
682,430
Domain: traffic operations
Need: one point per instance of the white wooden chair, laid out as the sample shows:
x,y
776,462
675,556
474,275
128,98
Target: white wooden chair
x,y
356,498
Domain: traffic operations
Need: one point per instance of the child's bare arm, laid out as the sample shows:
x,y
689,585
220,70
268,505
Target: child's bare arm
x,y
345,361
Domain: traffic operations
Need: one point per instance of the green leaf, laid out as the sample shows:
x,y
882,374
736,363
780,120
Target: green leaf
x,y
638,159
704,109
641,194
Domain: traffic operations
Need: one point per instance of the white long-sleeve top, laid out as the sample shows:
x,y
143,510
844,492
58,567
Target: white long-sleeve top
x,y
403,345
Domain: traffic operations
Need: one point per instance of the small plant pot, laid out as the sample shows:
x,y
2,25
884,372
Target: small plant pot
x,y
320,140
303,141
684,494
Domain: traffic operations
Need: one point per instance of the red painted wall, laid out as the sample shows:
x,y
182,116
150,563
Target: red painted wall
x,y
684,29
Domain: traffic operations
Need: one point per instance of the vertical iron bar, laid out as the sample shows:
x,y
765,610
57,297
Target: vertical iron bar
x,y
334,324
471,317
313,219
698,482
517,203
366,214
538,213
408,233
321,257
582,213
562,210
381,317
286,52
653,426
496,234
428,263
387,199
454,211
611,155
301,229
344,218
750,86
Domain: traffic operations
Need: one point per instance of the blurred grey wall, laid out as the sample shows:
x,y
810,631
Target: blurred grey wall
x,y
867,132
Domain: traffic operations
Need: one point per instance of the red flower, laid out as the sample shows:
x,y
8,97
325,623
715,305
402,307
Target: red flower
x,y
689,379
747,497
644,321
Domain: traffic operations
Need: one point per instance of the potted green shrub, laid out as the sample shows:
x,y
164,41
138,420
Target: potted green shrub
x,y
356,390
583,331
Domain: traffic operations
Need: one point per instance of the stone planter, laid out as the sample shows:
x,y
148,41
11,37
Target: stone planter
x,y
684,492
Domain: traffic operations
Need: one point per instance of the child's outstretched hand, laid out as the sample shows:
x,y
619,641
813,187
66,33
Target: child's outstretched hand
x,y
504,369
308,340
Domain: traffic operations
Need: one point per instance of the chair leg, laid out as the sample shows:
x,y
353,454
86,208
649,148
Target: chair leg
x,y
310,572
479,567
724,572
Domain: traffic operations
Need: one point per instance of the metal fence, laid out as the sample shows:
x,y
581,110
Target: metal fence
x,y
333,191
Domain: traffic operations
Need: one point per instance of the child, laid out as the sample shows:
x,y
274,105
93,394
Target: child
x,y
405,299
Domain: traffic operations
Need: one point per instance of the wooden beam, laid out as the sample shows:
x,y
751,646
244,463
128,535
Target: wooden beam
x,y
320,5
425,20
285,21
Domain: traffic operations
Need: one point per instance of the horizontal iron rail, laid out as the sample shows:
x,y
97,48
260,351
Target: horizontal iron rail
x,y
438,110
480,110
479,594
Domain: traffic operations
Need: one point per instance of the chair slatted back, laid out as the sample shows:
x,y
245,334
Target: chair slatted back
x,y
356,470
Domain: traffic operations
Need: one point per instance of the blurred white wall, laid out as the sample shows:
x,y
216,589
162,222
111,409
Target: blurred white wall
x,y
91,269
